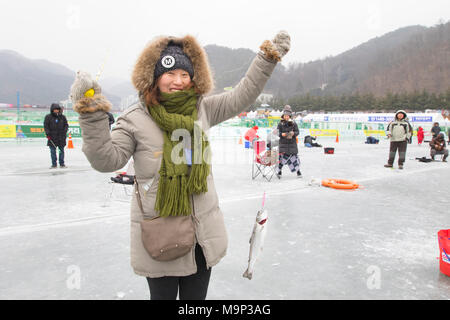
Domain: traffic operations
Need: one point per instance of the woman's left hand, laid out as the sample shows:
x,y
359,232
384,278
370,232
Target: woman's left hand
x,y
282,43
277,48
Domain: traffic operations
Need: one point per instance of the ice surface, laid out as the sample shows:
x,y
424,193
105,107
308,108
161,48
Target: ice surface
x,y
61,237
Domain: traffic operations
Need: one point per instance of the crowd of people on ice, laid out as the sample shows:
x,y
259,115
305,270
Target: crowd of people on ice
x,y
399,132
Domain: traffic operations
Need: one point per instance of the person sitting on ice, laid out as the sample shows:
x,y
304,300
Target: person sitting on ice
x,y
288,150
308,141
438,146
372,140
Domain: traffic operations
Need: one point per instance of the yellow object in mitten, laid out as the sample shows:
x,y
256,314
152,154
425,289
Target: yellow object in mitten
x,y
90,93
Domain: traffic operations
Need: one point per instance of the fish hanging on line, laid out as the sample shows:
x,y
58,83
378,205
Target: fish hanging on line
x,y
257,240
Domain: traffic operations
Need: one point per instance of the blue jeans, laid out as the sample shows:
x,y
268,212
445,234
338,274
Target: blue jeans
x,y
53,155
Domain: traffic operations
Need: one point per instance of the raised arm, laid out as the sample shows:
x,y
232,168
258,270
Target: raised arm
x,y
219,108
106,151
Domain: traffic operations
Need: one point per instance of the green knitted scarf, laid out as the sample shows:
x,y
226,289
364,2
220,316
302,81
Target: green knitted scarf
x,y
177,183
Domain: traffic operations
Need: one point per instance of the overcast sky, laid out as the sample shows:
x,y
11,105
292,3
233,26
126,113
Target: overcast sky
x,y
86,34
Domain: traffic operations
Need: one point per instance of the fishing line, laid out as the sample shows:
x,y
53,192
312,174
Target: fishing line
x,y
90,93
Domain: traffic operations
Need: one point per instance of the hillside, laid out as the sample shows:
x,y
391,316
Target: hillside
x,y
406,60
410,59
38,81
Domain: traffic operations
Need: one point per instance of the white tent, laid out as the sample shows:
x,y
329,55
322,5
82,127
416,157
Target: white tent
x,y
426,119
251,114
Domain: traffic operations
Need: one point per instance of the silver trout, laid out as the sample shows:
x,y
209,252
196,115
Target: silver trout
x,y
256,241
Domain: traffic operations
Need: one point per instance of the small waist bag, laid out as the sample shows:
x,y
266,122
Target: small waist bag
x,y
166,238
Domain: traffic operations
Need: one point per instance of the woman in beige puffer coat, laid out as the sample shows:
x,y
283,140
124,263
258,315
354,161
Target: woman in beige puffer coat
x,y
167,67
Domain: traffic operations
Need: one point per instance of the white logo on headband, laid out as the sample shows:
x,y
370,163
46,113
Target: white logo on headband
x,y
168,62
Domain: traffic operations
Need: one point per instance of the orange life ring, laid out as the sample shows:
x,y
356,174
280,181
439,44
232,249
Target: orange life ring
x,y
339,184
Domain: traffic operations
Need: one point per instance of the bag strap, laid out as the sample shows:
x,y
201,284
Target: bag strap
x,y
138,196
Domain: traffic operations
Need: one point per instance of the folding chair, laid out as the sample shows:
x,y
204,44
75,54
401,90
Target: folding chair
x,y
264,161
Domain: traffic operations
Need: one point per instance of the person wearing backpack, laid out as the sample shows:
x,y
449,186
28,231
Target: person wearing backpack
x,y
399,132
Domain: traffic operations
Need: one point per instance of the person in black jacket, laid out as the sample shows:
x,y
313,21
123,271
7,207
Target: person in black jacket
x,y
56,126
372,140
308,141
288,150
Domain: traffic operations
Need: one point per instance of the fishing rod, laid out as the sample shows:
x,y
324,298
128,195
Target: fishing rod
x,y
90,93
53,143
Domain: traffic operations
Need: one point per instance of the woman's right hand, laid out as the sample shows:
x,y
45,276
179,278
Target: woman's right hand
x,y
83,82
91,102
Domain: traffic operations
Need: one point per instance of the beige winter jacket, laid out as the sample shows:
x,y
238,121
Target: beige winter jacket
x,y
137,135
399,130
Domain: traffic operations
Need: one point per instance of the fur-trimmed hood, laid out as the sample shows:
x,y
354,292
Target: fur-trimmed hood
x,y
144,68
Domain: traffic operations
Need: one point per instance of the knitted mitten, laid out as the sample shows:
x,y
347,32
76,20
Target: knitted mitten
x,y
83,102
278,47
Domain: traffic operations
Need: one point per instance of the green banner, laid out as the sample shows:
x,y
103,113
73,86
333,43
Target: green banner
x,y
37,131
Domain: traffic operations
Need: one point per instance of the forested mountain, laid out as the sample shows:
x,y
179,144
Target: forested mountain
x,y
409,59
408,66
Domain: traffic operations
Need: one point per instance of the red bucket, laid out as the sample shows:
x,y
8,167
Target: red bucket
x,y
444,251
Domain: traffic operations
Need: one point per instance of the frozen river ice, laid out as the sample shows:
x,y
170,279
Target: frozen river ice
x,y
62,238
